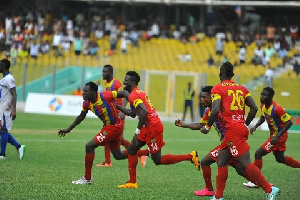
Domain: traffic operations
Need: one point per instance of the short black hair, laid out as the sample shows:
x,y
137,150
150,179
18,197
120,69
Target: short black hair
x,y
270,90
93,86
207,89
135,76
228,69
109,67
6,63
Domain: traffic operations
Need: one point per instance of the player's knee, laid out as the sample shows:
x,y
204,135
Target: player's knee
x,y
132,150
280,159
89,148
257,155
156,161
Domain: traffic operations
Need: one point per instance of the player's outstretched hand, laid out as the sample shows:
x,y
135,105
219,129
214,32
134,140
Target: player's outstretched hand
x,y
203,130
63,132
178,123
252,129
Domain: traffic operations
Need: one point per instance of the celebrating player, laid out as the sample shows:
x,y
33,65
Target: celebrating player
x,y
212,156
102,105
231,98
112,84
279,122
8,101
149,131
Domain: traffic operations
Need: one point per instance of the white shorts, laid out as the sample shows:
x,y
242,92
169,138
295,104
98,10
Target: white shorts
x,y
6,121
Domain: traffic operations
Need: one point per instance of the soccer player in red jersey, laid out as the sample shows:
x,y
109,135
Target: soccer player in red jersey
x,y
149,131
103,106
212,156
112,84
279,122
231,98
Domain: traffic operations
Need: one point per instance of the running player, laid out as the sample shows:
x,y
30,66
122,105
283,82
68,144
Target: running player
x,y
8,101
112,84
231,98
149,131
212,156
279,122
103,106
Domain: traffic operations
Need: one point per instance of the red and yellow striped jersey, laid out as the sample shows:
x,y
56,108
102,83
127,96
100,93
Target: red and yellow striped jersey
x,y
104,107
275,116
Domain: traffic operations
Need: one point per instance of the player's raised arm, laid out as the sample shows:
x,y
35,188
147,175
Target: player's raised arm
x,y
249,101
78,120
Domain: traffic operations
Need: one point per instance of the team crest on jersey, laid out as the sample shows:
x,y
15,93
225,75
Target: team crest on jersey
x,y
230,143
104,133
284,116
153,140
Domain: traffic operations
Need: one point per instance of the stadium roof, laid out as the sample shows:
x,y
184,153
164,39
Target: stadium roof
x,y
210,2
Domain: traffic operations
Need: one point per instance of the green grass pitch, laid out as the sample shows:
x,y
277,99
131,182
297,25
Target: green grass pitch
x,y
51,163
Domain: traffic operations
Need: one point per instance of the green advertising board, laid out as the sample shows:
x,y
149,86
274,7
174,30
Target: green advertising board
x,y
295,118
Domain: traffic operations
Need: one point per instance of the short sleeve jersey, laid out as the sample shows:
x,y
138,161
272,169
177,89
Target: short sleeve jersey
x,y
114,85
232,98
275,116
218,124
104,107
7,82
137,97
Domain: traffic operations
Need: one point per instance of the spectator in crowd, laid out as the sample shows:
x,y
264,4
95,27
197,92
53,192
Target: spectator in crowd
x,y
258,55
14,55
134,37
270,32
282,53
242,54
186,57
220,46
155,30
296,67
210,61
23,54
269,76
297,45
34,50
294,32
265,59
113,39
45,47
269,51
78,45
277,45
124,42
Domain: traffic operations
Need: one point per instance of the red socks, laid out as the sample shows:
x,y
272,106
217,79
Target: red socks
x,y
89,159
132,163
171,159
206,171
289,161
144,152
221,181
254,175
107,153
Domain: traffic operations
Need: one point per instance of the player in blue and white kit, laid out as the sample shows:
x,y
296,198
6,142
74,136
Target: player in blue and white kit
x,y
8,99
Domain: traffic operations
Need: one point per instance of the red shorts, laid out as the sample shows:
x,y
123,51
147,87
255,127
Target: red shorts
x,y
110,134
236,140
280,146
214,155
153,136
